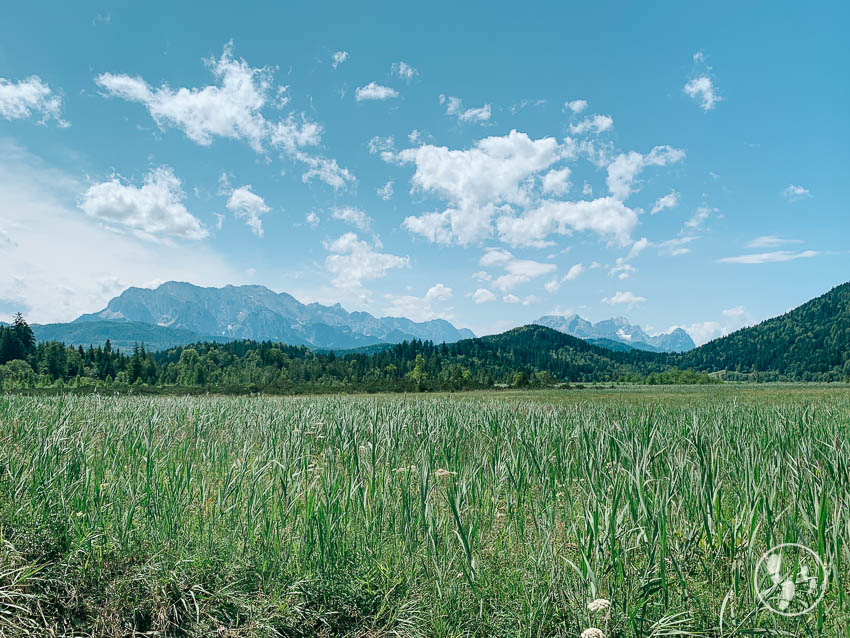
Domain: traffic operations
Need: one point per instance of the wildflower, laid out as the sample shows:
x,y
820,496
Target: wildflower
x,y
440,473
592,632
600,604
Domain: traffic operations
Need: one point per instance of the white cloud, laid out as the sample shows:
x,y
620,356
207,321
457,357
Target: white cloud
x,y
699,57
63,262
476,182
421,308
438,292
670,200
153,209
770,257
595,124
353,216
796,193
326,170
572,274
625,168
404,71
771,241
380,144
703,90
454,106
20,100
517,271
385,192
576,106
704,331
606,216
622,269
638,247
676,246
231,109
313,219
557,182
587,189
482,295
338,58
702,213
374,91
247,205
353,261
628,298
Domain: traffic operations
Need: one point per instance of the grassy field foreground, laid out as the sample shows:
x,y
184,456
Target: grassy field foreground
x,y
445,516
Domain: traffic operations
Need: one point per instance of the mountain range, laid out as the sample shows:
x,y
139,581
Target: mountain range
x,y
179,313
618,332
184,313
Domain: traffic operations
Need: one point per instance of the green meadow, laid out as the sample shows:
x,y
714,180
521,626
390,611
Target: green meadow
x,y
476,514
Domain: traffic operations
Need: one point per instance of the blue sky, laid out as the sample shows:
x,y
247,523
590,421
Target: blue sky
x,y
681,164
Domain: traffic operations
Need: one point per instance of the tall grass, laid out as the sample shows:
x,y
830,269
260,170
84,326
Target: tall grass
x,y
415,517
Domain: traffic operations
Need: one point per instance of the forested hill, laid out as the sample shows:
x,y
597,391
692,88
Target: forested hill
x,y
808,343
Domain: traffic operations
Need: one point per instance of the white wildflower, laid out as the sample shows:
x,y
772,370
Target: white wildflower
x,y
592,632
600,604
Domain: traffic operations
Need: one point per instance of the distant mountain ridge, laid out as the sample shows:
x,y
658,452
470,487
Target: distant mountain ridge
x,y
255,312
618,330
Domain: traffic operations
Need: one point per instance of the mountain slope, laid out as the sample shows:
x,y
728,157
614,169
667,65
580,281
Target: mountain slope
x,y
255,312
619,330
809,342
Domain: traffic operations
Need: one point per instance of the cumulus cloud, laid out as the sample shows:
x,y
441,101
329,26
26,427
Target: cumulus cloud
x,y
404,71
517,271
557,182
704,331
670,200
627,298
63,262
353,261
796,193
476,182
702,90
353,216
576,106
313,219
769,257
338,58
231,109
247,205
454,106
482,295
421,308
593,124
153,209
625,168
606,216
374,91
20,100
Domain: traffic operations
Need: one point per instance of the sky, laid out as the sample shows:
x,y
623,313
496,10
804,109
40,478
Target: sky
x,y
679,164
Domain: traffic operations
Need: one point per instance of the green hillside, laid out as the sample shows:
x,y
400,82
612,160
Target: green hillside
x,y
808,343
